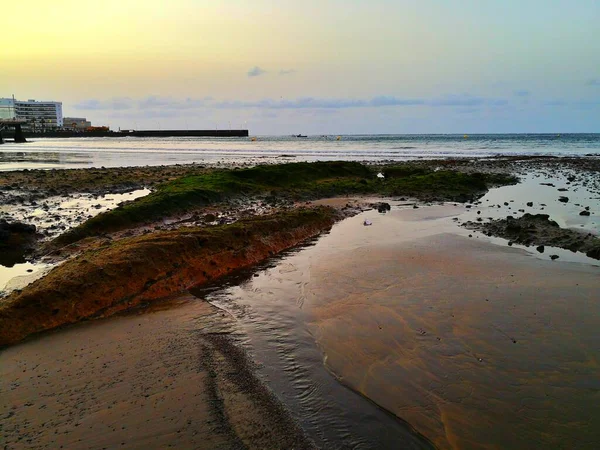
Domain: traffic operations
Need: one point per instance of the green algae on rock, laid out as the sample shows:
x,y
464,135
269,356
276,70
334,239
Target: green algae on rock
x,y
293,181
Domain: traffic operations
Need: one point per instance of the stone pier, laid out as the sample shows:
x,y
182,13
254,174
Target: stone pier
x,y
19,136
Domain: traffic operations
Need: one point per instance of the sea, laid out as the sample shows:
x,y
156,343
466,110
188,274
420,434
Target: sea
x,y
57,153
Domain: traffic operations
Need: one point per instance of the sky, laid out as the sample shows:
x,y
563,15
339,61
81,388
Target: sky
x,y
310,67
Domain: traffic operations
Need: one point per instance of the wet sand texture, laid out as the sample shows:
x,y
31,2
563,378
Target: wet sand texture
x,y
476,346
136,270
168,378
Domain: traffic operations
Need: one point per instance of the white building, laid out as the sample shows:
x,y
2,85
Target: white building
x,y
7,108
39,115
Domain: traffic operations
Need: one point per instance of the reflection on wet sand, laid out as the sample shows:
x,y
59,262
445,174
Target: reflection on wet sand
x,y
169,376
475,345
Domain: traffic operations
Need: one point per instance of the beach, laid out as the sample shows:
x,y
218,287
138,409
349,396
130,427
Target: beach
x,y
421,329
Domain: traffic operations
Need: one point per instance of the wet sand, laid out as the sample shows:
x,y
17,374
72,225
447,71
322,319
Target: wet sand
x,y
168,377
475,345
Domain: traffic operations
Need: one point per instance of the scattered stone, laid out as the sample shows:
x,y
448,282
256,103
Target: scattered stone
x,y
383,207
553,257
563,199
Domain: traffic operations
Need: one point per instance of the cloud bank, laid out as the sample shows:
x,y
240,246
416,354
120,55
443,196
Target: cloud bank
x,y
256,72
157,102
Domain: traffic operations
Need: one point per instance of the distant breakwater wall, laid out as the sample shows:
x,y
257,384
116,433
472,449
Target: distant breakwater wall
x,y
141,133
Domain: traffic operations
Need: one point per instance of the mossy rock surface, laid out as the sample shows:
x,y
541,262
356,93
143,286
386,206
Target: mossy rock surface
x,y
293,181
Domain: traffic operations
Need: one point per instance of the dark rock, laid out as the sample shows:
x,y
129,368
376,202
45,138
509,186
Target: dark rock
x,y
16,239
383,207
540,248
563,199
584,213
594,253
553,257
530,204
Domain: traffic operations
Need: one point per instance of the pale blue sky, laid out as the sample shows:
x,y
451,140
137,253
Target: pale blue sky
x,y
282,67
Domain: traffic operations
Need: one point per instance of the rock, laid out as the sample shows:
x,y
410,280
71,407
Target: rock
x,y
562,189
594,253
563,199
530,204
553,257
584,213
540,248
383,207
16,239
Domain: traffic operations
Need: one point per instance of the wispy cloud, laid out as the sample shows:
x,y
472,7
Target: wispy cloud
x,y
256,71
320,103
555,102
287,71
466,100
151,102
115,104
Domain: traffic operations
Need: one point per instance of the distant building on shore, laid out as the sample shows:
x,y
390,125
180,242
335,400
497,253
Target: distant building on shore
x,y
40,115
76,123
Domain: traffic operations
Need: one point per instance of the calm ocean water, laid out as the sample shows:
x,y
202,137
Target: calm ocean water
x,y
117,152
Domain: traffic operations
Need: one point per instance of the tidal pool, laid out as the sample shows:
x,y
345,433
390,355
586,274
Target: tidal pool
x,y
473,344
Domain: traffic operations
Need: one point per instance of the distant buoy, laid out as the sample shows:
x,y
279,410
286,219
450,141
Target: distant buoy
x,y
466,136
339,138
